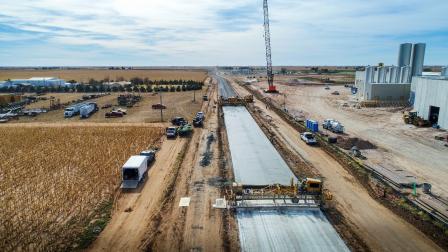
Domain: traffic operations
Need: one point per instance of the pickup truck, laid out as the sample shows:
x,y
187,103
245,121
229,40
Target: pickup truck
x,y
178,121
171,132
308,138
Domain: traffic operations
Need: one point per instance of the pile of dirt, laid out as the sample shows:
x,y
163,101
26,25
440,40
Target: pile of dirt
x,y
347,143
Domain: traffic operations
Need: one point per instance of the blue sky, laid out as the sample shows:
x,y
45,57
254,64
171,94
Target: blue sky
x,y
217,32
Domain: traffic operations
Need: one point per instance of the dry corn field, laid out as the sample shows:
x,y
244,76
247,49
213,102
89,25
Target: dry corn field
x,y
52,179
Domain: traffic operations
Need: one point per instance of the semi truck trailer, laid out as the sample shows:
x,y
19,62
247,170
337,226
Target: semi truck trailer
x,y
87,110
134,171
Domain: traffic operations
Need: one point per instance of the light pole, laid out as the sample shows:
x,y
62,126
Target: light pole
x,y
161,107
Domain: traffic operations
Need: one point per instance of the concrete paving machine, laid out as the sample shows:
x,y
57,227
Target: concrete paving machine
x,y
236,101
306,193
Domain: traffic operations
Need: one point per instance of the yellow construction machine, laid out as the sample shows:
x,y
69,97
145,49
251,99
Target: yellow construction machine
x,y
306,193
235,100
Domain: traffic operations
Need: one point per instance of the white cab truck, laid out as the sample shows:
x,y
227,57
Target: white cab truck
x,y
134,171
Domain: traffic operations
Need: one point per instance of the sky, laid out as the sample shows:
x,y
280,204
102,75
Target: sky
x,y
217,32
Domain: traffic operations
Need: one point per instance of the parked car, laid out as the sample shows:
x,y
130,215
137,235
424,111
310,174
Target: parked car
x,y
198,122
171,132
308,138
335,93
158,106
178,121
200,115
105,106
113,114
151,154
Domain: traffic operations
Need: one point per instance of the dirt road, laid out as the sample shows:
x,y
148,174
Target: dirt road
x,y
381,229
133,210
197,227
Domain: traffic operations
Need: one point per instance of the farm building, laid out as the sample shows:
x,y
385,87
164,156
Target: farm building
x,y
429,95
35,81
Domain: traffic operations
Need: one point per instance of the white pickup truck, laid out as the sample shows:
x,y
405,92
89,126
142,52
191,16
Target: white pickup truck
x,y
308,138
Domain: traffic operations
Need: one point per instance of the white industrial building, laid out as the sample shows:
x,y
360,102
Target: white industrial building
x,y
392,83
429,95
35,81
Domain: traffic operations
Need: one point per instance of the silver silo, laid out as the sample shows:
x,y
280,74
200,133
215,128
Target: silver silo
x,y
387,74
445,71
418,58
368,73
381,74
405,74
404,56
394,74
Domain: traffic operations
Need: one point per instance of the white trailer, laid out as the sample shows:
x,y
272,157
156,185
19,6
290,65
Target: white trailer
x,y
87,110
134,171
73,110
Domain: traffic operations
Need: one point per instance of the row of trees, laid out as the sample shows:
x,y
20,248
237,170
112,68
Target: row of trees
x,y
102,88
143,81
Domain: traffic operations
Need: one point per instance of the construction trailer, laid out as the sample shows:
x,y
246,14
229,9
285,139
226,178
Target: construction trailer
x,y
134,171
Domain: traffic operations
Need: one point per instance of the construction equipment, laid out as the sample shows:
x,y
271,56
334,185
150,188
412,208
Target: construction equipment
x,y
306,193
409,117
235,101
267,40
333,126
128,100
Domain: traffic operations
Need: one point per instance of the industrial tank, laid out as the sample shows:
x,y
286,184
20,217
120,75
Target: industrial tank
x,y
404,56
418,58
445,71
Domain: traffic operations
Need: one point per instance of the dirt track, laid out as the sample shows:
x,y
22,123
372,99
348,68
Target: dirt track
x,y
381,229
127,228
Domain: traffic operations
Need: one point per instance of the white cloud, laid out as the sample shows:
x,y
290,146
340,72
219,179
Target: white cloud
x,y
209,32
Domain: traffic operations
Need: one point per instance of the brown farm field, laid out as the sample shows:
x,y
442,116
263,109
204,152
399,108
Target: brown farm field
x,y
83,75
55,180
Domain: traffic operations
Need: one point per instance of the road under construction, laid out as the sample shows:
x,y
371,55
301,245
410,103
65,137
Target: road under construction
x,y
267,223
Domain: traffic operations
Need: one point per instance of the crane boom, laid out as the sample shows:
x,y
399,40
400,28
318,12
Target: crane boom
x,y
267,38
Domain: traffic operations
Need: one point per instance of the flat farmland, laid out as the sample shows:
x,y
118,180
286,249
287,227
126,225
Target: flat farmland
x,y
84,75
55,180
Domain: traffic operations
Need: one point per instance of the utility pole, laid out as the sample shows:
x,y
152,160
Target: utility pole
x,y
161,107
284,102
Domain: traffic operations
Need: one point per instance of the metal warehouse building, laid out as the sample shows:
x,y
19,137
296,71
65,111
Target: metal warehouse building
x,y
430,98
392,83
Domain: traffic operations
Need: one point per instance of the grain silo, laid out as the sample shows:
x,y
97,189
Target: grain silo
x,y
418,58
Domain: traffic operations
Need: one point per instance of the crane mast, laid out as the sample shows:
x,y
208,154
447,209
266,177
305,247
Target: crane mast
x,y
267,38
